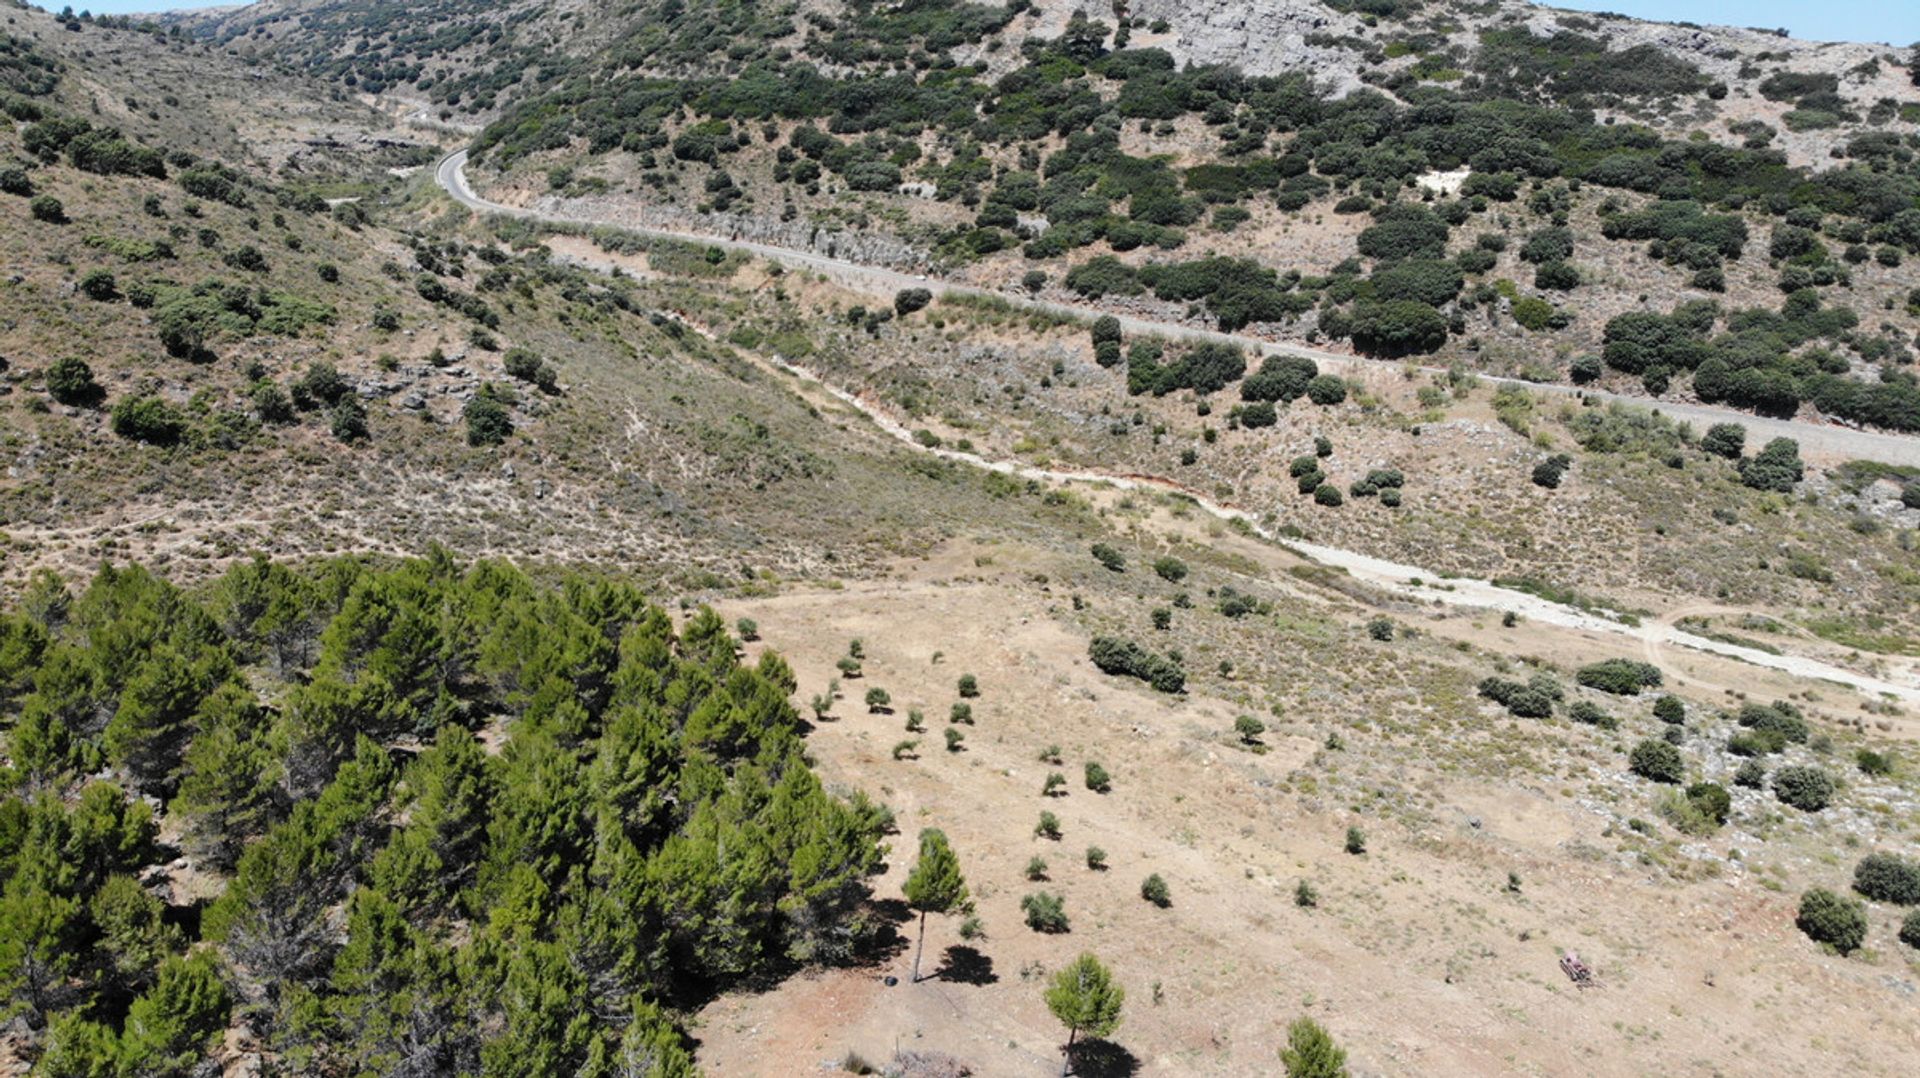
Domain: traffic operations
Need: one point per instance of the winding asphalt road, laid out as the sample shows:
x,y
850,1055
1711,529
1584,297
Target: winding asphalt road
x,y
1819,439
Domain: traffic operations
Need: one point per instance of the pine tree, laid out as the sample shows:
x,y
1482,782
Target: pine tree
x,y
1085,999
168,1028
935,885
1311,1053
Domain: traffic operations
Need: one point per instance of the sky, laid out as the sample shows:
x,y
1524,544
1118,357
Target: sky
x,y
1895,22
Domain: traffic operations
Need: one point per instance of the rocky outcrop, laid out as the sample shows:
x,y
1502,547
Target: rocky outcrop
x,y
1266,38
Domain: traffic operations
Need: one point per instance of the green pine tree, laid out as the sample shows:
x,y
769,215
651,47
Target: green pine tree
x,y
1311,1053
1085,999
935,884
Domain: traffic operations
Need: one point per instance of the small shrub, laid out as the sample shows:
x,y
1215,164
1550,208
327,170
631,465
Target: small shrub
x,y
954,739
1670,709
1154,890
1304,895
1249,729
1170,569
1054,782
1380,629
1829,919
1097,778
1910,930
1036,868
1096,858
99,285
1752,775
960,714
49,209
1048,827
1109,557
969,686
1356,841
1045,912
877,700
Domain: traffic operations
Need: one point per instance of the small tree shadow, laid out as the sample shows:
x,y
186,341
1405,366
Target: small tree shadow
x,y
883,944
967,965
1103,1059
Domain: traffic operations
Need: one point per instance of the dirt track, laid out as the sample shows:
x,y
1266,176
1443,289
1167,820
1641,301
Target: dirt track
x,y
1838,443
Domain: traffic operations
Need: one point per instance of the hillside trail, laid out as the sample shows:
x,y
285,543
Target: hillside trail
x,y
1824,440
1406,581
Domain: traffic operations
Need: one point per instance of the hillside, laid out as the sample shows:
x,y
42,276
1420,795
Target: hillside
x,y
836,535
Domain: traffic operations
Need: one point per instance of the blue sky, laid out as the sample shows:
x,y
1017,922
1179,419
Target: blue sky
x,y
1896,22
1893,21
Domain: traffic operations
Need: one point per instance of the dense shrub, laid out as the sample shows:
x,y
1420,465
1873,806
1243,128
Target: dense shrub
x,y
70,381
149,419
908,300
1280,378
1886,877
1550,471
1776,468
1829,919
49,209
488,421
1656,760
1045,912
1670,709
1533,699
1396,327
1806,788
1108,557
1727,440
1124,657
1622,677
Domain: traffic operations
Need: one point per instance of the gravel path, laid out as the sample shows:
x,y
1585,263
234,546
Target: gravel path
x,y
1820,439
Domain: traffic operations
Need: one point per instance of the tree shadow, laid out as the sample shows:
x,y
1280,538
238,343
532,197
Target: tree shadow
x,y
883,943
1103,1059
967,965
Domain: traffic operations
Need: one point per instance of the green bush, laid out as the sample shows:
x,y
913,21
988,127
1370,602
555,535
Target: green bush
x,y
1806,788
1170,569
99,285
1045,912
1886,877
1829,919
1124,657
1670,709
488,421
1097,778
1752,775
1657,761
1727,440
70,381
1549,472
1621,677
1327,494
149,419
1712,799
908,300
1910,930
1154,890
49,209
1109,557
1776,468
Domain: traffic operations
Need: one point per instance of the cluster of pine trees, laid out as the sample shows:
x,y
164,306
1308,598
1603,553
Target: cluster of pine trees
x,y
421,818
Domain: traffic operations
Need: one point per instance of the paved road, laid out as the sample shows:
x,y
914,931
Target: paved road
x,y
1816,439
